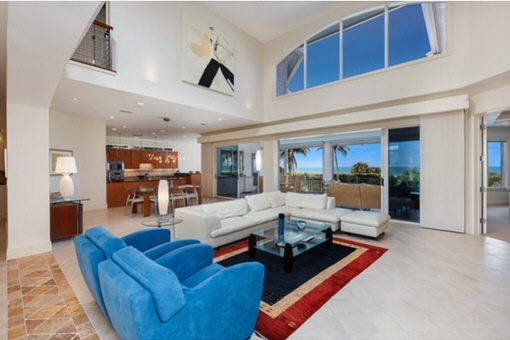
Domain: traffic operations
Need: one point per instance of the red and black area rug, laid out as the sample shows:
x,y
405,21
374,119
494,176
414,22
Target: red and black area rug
x,y
289,299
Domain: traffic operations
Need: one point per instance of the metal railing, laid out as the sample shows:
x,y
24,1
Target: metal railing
x,y
95,48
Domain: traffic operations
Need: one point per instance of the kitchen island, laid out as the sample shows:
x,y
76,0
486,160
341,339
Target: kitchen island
x,y
116,191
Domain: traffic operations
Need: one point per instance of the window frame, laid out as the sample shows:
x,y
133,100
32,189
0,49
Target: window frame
x,y
360,18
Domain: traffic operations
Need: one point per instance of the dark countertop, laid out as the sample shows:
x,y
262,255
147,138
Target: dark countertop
x,y
146,179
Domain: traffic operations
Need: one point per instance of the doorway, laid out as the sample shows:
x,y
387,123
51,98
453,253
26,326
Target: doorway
x,y
236,172
495,175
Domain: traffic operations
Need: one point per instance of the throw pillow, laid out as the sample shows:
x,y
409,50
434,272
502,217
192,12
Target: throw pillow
x,y
258,202
276,198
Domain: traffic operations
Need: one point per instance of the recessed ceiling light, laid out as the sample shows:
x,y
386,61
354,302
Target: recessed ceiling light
x,y
114,129
183,127
112,117
140,104
153,133
220,119
74,98
124,126
162,130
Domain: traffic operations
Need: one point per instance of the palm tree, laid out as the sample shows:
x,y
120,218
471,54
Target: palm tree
x,y
290,155
343,150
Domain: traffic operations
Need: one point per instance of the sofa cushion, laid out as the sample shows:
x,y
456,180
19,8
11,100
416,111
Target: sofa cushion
x,y
226,209
161,282
276,198
258,202
263,216
367,218
326,216
105,241
233,224
293,200
311,201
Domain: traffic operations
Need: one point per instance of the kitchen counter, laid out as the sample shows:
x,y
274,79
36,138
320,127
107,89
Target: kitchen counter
x,y
116,191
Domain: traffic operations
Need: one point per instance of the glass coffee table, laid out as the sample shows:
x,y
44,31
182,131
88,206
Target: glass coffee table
x,y
159,222
292,243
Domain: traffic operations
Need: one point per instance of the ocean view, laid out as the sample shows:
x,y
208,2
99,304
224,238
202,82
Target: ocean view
x,y
396,170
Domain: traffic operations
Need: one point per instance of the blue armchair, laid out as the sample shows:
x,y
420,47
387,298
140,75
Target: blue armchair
x,y
182,295
98,245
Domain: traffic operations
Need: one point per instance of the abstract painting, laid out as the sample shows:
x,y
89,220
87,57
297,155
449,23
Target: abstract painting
x,y
207,55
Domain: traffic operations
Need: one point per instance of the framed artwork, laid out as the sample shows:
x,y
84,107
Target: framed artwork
x,y
207,55
54,154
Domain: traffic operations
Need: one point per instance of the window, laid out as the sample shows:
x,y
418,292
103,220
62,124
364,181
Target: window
x,y
363,46
408,38
323,57
495,162
372,40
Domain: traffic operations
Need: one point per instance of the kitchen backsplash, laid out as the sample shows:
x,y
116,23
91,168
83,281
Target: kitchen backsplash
x,y
131,173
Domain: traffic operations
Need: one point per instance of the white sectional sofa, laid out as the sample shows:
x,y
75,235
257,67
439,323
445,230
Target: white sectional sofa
x,y
221,223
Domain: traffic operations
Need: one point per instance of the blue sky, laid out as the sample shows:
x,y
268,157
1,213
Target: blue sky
x,y
368,153
494,154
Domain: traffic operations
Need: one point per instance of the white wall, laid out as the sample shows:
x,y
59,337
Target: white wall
x,y
86,138
478,48
28,194
147,58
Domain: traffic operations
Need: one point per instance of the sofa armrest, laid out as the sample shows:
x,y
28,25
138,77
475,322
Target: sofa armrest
x,y
195,225
187,260
165,248
146,239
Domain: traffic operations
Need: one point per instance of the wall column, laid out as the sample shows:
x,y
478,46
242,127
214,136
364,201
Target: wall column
x,y
28,168
327,161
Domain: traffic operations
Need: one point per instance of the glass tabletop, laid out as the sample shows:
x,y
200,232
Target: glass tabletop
x,y
161,221
293,233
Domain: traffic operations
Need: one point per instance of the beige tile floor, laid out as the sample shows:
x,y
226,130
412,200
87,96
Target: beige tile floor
x,y
428,285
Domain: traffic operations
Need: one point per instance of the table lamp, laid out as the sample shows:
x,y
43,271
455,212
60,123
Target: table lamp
x,y
66,166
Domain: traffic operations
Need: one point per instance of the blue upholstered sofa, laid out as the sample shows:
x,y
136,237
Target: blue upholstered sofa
x,y
98,245
181,295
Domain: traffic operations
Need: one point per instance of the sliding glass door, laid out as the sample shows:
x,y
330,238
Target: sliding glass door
x,y
404,174
227,172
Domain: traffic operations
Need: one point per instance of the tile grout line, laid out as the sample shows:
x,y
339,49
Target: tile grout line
x,y
83,330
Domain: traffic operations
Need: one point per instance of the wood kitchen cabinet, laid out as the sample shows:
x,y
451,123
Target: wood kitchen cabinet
x,y
125,155
133,158
111,154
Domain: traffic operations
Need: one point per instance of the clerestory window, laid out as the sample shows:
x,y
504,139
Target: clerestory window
x,y
369,41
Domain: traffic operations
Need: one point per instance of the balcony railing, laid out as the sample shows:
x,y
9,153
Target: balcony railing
x,y
95,48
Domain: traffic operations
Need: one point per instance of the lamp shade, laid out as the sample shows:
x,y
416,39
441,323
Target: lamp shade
x,y
258,160
66,165
163,197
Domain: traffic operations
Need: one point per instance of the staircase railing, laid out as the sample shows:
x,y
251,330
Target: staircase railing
x,y
95,48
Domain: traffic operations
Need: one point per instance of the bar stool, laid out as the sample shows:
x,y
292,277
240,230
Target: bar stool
x,y
191,195
131,200
177,195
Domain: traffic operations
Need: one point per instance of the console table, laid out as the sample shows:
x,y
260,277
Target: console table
x,y
66,217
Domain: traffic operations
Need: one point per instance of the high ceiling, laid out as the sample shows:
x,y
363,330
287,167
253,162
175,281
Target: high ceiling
x,y
264,20
267,20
